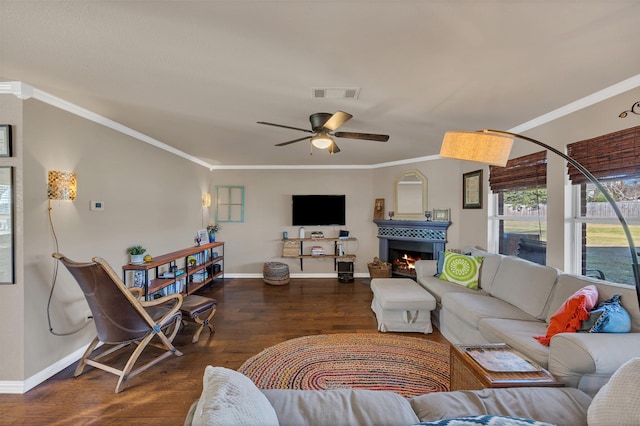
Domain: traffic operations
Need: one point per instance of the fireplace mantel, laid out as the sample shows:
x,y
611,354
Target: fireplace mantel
x,y
411,230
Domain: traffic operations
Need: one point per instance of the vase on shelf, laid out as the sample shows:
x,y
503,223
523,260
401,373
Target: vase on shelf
x,y
212,237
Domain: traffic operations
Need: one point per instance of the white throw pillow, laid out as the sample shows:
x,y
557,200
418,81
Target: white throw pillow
x,y
231,398
618,402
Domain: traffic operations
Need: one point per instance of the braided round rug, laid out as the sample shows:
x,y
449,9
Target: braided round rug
x,y
406,365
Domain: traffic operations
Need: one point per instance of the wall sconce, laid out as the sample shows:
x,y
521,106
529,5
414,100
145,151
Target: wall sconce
x,y
62,185
206,200
635,109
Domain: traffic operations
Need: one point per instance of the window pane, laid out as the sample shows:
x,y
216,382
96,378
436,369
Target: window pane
x,y
525,239
607,252
523,232
626,193
605,249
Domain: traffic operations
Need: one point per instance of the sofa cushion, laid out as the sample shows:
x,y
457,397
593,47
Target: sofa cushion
x,y
461,269
618,402
562,406
229,397
340,407
472,307
569,316
524,284
438,288
490,264
517,334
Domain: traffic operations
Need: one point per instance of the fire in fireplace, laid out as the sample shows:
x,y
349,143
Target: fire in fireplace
x,y
403,262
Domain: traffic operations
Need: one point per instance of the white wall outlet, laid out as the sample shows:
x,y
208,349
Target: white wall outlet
x,y
97,205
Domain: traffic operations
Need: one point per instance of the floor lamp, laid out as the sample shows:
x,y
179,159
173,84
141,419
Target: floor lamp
x,y
494,147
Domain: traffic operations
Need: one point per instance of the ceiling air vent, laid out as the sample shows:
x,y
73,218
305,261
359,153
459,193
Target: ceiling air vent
x,y
335,92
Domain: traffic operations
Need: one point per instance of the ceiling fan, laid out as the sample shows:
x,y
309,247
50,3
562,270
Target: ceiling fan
x,y
323,127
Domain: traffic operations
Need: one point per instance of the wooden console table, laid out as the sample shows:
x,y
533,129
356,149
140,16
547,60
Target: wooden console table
x,y
468,374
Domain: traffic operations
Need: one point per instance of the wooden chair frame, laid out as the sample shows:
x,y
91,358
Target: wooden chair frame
x,y
169,321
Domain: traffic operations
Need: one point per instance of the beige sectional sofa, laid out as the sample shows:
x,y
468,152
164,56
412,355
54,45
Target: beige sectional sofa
x,y
515,302
230,398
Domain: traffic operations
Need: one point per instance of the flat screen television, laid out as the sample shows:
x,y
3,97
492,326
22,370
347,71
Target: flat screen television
x,y
318,210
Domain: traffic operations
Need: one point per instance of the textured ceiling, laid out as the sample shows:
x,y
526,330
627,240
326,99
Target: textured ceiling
x,y
198,75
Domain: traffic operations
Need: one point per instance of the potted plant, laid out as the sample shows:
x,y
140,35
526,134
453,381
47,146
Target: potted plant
x,y
137,253
212,229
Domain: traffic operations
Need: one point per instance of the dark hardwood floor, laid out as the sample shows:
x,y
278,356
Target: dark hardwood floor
x,y
251,316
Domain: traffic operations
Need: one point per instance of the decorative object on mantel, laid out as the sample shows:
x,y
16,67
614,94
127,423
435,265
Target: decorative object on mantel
x,y
441,215
5,140
137,254
635,109
472,190
378,210
427,214
391,214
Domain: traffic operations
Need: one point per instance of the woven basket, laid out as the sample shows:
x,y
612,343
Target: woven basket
x,y
275,273
379,269
290,248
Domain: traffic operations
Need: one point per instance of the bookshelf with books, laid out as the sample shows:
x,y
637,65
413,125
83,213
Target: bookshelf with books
x,y
184,271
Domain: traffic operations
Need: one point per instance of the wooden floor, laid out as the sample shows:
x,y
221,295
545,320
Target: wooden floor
x,y
251,316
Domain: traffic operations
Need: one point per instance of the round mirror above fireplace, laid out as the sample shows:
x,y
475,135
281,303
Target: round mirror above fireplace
x,y
411,195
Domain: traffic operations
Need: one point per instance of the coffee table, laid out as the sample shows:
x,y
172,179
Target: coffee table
x,y
475,367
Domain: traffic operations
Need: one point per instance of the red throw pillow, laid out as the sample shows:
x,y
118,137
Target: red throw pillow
x,y
569,317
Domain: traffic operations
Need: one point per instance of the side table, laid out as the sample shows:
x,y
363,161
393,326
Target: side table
x,y
469,374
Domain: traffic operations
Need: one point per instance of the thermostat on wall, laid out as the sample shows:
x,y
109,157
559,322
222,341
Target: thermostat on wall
x,y
97,205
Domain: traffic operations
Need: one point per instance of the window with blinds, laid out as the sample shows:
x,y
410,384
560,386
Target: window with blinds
x,y
614,159
521,188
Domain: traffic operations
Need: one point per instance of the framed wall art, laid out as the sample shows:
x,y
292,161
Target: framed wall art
x,y
472,190
230,203
5,140
7,270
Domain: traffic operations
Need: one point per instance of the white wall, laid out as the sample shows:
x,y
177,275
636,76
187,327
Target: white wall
x,y
151,197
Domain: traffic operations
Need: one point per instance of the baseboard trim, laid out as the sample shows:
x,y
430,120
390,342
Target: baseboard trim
x,y
298,275
21,387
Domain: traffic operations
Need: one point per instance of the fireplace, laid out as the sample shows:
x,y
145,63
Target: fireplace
x,y
404,242
404,254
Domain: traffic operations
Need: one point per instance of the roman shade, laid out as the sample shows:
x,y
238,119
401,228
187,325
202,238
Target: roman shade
x,y
611,156
527,172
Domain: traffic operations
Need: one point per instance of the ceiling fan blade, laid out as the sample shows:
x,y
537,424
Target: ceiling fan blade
x,y
295,140
333,148
286,127
365,136
337,120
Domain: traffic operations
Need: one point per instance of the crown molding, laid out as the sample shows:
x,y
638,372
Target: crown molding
x,y
25,91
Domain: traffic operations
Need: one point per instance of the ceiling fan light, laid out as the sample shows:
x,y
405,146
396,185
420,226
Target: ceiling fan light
x,y
321,140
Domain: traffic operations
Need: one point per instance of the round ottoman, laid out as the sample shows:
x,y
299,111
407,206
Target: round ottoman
x,y
275,273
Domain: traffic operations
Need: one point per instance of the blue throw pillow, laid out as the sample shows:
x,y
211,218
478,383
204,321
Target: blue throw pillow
x,y
608,317
440,263
485,420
